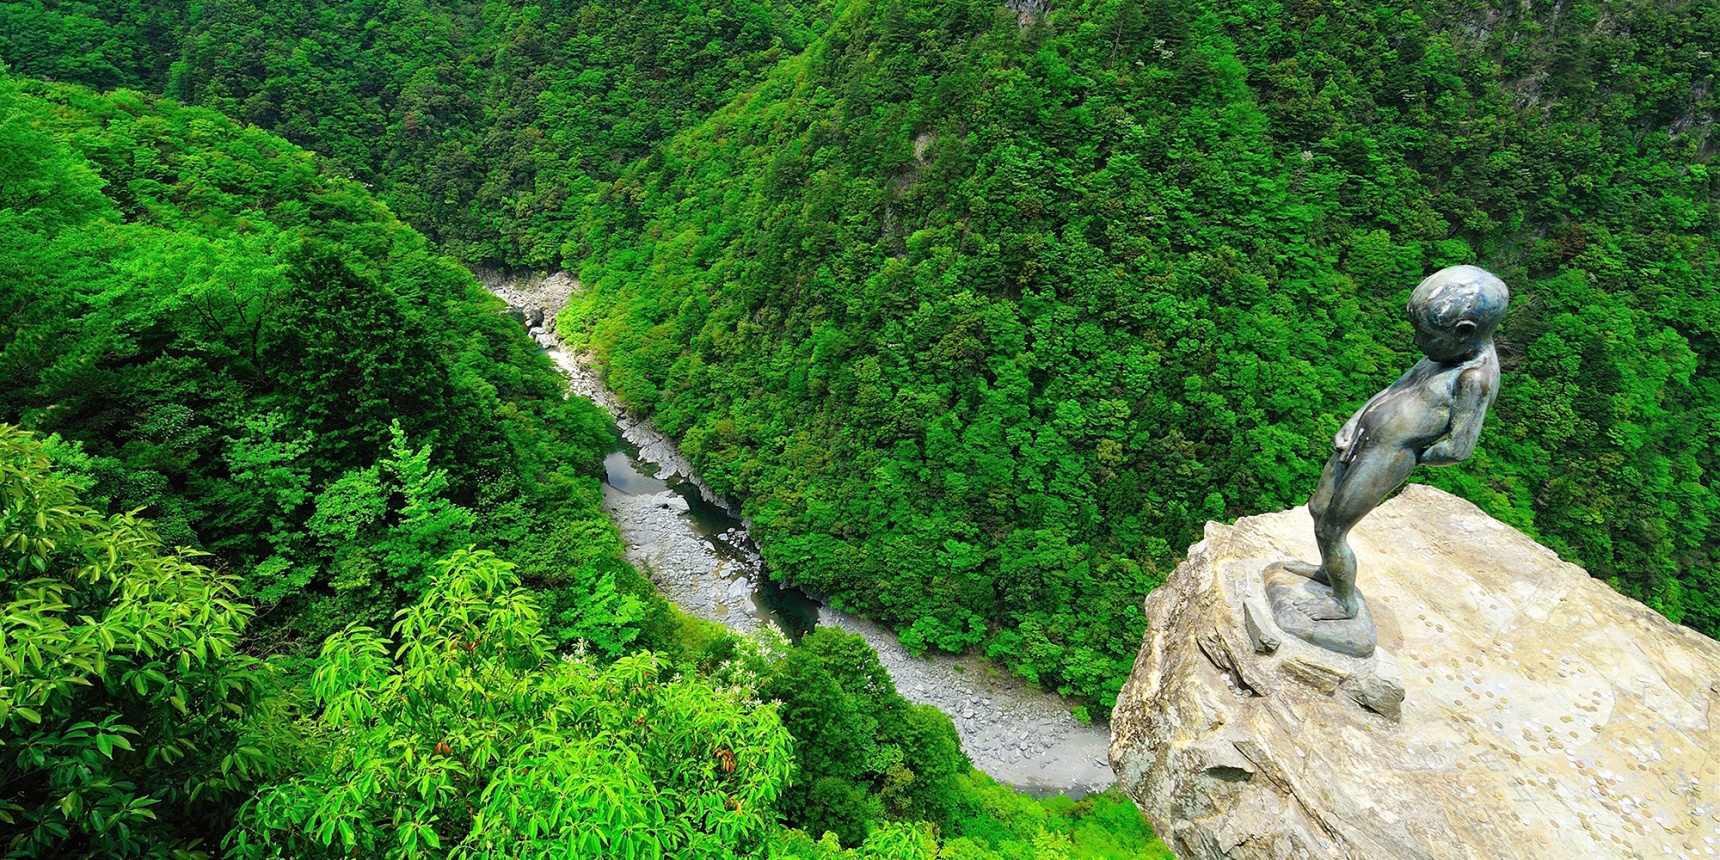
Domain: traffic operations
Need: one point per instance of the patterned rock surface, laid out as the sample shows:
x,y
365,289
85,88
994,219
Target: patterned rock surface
x,y
1543,715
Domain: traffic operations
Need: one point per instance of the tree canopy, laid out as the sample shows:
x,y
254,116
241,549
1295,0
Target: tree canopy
x,y
981,311
276,370
130,719
466,735
985,313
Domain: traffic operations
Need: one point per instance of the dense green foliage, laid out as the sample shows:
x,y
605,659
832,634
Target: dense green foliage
x,y
278,371
985,315
485,125
129,720
982,313
253,351
889,778
992,822
467,736
139,729
865,754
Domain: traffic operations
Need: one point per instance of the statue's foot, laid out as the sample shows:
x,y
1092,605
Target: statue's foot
x,y
1321,608
1305,608
1304,569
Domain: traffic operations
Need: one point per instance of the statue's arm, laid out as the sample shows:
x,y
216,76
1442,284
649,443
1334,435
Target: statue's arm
x,y
1475,390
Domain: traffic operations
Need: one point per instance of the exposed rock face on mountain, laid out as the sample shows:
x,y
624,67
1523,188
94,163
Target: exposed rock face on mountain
x,y
1542,714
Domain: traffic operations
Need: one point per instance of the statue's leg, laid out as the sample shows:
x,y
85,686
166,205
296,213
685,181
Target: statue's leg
x,y
1369,478
1330,477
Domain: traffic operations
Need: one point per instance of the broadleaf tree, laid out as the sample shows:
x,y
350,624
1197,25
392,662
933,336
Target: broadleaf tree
x,y
465,735
130,722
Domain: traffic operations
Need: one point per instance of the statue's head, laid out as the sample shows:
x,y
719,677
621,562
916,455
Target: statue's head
x,y
1456,310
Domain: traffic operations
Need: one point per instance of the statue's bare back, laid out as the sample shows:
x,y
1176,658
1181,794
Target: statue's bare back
x,y
1431,416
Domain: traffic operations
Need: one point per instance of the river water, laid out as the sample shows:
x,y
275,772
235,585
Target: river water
x,y
695,546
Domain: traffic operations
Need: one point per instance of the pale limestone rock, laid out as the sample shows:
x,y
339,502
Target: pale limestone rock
x,y
1542,714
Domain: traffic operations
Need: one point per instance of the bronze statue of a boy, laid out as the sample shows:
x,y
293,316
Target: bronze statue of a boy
x,y
1431,416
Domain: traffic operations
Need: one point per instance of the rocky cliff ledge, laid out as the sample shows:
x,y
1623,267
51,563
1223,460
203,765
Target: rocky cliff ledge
x,y
1542,714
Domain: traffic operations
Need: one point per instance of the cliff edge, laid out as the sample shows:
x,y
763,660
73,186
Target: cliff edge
x,y
1516,707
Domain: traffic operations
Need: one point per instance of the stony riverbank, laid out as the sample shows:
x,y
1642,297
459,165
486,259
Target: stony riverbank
x,y
714,578
1015,733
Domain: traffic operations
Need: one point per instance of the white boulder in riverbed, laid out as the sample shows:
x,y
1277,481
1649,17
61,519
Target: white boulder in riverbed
x,y
1543,714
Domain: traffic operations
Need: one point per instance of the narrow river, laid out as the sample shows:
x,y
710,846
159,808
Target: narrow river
x,y
696,547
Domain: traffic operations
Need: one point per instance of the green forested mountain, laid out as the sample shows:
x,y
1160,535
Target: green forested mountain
x,y
396,623
984,315
275,369
484,125
981,310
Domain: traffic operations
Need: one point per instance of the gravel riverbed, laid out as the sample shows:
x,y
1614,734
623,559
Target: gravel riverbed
x,y
1013,732
1016,733
710,577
